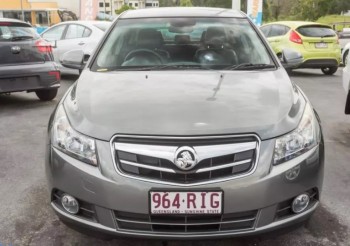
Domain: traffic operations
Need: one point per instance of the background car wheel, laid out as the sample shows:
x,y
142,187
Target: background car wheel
x,y
329,70
345,59
46,95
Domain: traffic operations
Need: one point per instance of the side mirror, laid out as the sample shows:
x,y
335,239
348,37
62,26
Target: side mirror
x,y
73,59
291,58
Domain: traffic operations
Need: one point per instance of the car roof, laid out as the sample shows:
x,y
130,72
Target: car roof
x,y
84,22
295,24
89,24
181,12
12,20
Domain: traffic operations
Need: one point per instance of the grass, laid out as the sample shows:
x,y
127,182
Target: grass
x,y
329,19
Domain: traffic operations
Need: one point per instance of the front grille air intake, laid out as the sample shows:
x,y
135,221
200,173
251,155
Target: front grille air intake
x,y
154,159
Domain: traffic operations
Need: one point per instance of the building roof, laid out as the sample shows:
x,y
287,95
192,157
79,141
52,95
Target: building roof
x,y
181,12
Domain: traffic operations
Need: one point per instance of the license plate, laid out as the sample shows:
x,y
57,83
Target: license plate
x,y
198,202
321,45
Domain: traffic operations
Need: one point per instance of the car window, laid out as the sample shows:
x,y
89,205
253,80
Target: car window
x,y
10,30
75,31
278,30
266,30
192,42
55,33
104,25
87,32
316,31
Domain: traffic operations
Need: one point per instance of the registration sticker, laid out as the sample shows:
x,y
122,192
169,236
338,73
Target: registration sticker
x,y
191,202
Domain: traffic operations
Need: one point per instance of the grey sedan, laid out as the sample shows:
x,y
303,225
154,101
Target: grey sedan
x,y
184,124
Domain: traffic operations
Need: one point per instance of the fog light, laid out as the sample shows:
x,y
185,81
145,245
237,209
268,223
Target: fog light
x,y
70,204
300,203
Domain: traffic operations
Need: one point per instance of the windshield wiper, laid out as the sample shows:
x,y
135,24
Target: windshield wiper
x,y
160,67
180,66
21,38
250,66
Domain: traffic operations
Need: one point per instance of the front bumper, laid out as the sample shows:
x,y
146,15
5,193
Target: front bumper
x,y
106,194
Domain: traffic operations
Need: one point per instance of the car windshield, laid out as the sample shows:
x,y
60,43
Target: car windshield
x,y
183,43
316,31
11,31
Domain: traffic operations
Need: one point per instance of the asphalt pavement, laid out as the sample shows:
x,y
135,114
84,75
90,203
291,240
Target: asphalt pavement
x,y
27,219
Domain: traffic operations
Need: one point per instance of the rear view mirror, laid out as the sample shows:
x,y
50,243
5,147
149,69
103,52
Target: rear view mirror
x,y
73,59
291,58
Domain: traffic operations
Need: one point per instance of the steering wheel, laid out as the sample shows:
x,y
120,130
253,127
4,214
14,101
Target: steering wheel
x,y
133,53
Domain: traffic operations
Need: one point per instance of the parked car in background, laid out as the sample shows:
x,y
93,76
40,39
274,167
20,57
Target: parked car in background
x,y
317,43
200,136
344,37
346,84
26,61
345,54
74,35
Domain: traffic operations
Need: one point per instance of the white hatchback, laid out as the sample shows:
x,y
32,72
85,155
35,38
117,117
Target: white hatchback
x,y
346,85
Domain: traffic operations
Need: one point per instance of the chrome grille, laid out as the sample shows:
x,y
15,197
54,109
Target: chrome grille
x,y
186,223
219,158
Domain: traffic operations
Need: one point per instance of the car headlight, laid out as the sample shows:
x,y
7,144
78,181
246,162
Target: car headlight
x,y
71,142
302,139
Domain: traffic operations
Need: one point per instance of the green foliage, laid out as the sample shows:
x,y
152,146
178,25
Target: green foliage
x,y
198,3
276,10
186,3
123,8
330,19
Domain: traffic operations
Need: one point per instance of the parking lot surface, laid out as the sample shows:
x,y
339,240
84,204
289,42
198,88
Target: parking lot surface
x,y
27,219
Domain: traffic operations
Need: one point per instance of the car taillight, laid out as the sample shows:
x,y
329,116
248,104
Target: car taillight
x,y
57,74
43,46
294,37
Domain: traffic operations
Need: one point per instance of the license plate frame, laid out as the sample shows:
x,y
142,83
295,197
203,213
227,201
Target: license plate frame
x,y
197,212
321,45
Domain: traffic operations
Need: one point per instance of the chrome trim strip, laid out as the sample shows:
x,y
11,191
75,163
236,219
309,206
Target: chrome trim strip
x,y
185,224
257,154
162,169
157,151
168,152
207,169
211,151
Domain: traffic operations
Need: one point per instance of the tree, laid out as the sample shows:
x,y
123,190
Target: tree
x,y
123,8
186,3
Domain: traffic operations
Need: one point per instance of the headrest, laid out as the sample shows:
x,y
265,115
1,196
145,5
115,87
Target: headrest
x,y
150,38
215,36
182,39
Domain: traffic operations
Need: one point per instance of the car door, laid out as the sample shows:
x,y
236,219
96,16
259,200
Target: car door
x,y
276,36
55,35
76,38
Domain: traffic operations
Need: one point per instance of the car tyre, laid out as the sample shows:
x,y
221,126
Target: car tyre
x,y
47,94
329,70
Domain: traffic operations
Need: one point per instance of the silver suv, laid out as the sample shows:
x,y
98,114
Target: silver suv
x,y
184,124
